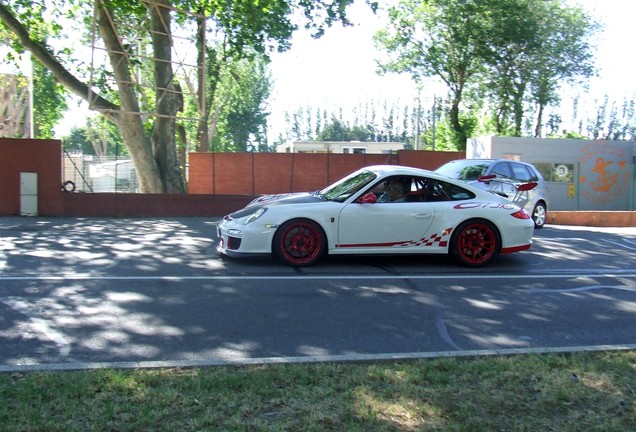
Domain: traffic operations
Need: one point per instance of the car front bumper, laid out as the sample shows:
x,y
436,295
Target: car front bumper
x,y
237,239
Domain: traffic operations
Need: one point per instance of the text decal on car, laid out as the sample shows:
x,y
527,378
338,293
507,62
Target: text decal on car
x,y
473,205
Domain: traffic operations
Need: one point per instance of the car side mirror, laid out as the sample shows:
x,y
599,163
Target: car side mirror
x,y
368,198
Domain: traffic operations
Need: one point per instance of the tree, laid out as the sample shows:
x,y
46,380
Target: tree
x,y
514,51
99,138
535,47
263,26
241,114
15,99
435,38
336,130
51,101
14,102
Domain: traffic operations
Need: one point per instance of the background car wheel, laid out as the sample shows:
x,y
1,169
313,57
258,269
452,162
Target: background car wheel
x,y
299,242
475,243
539,215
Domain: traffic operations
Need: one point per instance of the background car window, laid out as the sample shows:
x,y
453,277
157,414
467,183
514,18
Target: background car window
x,y
471,172
521,172
502,169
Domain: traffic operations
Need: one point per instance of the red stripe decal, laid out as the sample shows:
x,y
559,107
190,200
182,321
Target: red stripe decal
x,y
515,249
372,244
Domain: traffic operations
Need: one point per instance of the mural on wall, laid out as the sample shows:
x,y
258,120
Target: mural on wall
x,y
604,172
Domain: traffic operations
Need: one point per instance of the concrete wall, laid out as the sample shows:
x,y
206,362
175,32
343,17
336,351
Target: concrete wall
x,y
586,174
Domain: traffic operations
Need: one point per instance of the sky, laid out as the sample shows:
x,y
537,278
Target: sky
x,y
339,69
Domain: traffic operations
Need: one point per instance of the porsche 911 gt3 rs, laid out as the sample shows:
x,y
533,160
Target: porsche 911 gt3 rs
x,y
384,209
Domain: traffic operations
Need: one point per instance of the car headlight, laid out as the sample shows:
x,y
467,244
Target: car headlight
x,y
258,213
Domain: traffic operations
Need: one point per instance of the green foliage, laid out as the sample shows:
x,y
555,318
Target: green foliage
x,y
241,96
49,96
337,130
367,121
537,47
98,138
517,52
49,101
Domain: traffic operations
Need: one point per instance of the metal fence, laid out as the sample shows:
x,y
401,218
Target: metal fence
x,y
87,173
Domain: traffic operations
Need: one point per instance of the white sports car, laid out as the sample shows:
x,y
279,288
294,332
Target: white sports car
x,y
385,209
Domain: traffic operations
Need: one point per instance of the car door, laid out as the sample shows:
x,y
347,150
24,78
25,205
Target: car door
x,y
384,226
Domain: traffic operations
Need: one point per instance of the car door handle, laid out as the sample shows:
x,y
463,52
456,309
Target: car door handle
x,y
423,215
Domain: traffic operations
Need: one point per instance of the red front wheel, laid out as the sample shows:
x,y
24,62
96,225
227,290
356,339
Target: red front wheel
x,y
475,243
299,242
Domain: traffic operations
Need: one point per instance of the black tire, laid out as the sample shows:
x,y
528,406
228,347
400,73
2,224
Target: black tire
x,y
539,215
475,243
68,186
299,242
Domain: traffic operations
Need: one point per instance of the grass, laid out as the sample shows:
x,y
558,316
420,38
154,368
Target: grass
x,y
551,392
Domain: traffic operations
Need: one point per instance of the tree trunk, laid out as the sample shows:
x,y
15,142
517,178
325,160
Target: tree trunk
x,y
203,140
460,133
520,90
539,126
128,117
169,100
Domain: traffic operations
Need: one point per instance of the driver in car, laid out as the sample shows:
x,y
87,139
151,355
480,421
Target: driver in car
x,y
393,191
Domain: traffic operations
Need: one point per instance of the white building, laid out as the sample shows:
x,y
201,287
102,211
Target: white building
x,y
342,147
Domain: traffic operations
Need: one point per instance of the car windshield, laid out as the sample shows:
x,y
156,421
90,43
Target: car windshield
x,y
344,188
463,170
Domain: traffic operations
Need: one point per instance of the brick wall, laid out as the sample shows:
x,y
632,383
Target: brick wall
x,y
43,157
262,173
218,182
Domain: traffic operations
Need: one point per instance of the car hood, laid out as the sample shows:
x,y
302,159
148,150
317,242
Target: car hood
x,y
287,198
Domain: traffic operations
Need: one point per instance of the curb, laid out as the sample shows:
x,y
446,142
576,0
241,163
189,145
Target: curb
x,y
593,218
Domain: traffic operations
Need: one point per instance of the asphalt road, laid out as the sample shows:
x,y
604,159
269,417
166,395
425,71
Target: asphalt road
x,y
80,293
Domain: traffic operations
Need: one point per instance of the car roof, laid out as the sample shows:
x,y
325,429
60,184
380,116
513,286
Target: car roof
x,y
488,160
402,170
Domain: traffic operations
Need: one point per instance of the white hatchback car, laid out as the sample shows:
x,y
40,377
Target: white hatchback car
x,y
385,209
504,177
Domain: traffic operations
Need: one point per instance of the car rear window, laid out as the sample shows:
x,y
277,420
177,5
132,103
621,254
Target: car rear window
x,y
464,170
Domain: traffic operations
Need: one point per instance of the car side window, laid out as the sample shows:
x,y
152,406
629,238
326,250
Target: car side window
x,y
392,189
438,190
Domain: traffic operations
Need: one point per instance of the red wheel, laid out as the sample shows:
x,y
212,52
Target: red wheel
x,y
475,243
299,242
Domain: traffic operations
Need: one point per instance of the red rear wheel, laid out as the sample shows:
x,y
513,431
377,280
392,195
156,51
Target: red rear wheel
x,y
475,243
299,242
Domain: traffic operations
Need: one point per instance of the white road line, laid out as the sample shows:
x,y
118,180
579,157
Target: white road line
x,y
619,244
177,278
308,359
630,288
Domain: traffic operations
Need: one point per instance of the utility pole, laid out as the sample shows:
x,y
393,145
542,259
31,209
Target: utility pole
x,y
418,116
